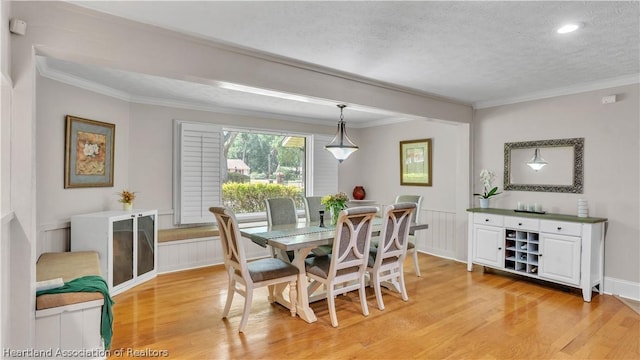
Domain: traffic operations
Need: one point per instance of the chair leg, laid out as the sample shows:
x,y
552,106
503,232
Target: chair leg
x,y
293,297
271,291
363,297
230,292
247,308
331,301
403,289
376,287
415,262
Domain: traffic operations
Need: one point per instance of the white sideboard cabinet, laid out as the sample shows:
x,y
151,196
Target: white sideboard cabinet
x,y
564,249
126,241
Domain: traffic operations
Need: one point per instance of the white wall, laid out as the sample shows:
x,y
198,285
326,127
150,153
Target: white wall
x,y
54,101
5,205
376,166
143,151
611,162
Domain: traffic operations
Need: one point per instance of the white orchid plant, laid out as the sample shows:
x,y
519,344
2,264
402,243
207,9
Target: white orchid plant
x,y
487,178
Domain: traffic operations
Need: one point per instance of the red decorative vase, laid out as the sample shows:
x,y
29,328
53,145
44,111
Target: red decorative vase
x,y
359,193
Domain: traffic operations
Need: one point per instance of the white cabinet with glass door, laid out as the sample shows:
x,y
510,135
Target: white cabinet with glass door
x,y
126,242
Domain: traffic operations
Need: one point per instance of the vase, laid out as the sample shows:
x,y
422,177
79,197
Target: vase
x,y
127,206
484,203
335,213
359,193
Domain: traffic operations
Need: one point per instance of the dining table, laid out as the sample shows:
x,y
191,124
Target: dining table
x,y
301,238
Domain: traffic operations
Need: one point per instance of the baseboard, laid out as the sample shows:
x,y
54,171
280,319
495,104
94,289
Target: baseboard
x,y
622,288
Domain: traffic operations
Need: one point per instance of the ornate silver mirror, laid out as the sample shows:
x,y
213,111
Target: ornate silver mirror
x,y
559,165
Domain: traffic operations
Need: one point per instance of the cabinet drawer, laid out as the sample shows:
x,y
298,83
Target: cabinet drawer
x,y
488,219
521,223
561,227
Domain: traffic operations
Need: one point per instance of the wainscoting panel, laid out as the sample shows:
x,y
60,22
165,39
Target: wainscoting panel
x,y
440,238
193,253
53,238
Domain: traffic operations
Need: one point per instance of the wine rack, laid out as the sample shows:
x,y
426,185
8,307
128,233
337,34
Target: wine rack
x,y
522,250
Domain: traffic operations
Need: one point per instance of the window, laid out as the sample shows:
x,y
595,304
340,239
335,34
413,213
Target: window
x,y
239,168
260,166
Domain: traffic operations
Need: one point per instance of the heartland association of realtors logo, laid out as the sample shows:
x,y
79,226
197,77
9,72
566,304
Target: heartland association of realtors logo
x,y
82,353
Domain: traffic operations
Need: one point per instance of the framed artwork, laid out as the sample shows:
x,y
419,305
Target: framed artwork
x,y
89,147
415,162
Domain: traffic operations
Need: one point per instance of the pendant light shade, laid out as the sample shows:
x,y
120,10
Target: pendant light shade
x,y
537,162
341,146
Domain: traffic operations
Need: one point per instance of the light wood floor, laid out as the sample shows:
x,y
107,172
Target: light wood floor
x,y
451,313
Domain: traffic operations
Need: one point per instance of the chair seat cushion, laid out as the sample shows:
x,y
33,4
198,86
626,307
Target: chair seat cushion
x,y
270,268
411,242
373,253
319,266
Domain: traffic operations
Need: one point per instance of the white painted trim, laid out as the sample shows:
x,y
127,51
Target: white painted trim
x,y
622,288
49,73
46,71
55,225
188,268
6,218
569,90
6,79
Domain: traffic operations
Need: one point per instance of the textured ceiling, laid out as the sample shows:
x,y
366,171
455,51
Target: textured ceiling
x,y
479,53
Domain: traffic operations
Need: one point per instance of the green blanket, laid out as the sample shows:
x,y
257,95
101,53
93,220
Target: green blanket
x,y
91,283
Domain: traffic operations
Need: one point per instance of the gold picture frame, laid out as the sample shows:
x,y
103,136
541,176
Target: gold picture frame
x,y
415,162
89,149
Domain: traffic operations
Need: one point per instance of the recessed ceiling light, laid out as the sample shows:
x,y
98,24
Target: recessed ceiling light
x,y
568,28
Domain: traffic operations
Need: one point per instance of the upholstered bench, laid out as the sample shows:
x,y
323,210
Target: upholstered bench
x,y
68,321
175,234
68,266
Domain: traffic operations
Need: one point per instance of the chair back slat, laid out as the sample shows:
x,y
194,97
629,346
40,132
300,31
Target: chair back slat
x,y
281,211
232,249
313,204
394,235
417,199
352,239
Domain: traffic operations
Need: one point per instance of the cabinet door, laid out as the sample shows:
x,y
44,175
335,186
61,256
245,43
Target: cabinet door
x,y
560,258
146,244
122,257
488,243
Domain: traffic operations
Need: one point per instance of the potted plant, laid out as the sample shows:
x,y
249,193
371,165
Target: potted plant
x,y
335,203
126,198
489,190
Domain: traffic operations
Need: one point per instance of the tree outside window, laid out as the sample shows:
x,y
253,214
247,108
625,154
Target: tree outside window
x,y
262,166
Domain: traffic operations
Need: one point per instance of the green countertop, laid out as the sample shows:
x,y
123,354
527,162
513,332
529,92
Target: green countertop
x,y
546,216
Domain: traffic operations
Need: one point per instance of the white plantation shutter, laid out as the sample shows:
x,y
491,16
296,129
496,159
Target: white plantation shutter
x,y
199,172
323,169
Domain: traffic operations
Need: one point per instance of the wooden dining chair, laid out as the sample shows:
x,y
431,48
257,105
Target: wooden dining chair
x,y
313,205
281,211
245,276
417,199
344,269
387,258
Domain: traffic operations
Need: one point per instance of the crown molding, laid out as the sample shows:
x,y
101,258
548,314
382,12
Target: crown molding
x,y
45,71
569,90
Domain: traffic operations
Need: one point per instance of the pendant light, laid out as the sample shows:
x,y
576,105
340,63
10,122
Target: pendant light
x,y
341,146
537,162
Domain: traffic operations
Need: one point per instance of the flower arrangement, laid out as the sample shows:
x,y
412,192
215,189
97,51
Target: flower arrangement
x,y
126,196
489,190
335,203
